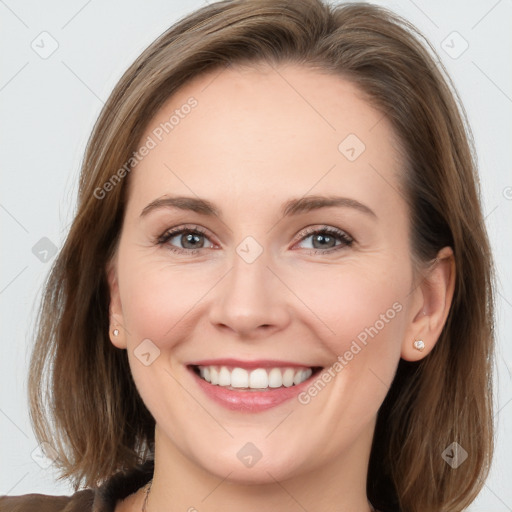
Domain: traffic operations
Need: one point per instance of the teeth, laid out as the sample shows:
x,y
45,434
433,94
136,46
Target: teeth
x,y
239,378
288,375
299,377
224,377
214,376
275,378
259,378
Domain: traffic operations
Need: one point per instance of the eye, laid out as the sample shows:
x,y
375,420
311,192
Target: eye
x,y
325,239
185,239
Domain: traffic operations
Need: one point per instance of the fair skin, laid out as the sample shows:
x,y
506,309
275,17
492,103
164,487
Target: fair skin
x,y
258,138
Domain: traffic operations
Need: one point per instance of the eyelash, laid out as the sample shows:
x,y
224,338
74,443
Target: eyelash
x,y
345,239
165,237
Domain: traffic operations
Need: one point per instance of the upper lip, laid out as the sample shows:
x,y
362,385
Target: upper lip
x,y
260,363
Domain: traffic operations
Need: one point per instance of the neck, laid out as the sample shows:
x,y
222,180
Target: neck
x,y
179,484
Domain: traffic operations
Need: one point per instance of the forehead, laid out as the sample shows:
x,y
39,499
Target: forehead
x,y
271,131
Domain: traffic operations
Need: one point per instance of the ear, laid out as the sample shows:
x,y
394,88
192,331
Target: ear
x,y
431,305
117,332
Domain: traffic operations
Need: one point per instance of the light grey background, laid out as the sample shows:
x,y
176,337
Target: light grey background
x,y
50,102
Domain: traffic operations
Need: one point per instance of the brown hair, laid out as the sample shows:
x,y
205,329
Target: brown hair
x,y
90,410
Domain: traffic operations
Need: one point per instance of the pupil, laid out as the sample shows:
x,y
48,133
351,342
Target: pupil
x,y
323,241
189,240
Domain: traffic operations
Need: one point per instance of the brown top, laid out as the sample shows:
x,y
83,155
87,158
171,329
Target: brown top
x,y
100,499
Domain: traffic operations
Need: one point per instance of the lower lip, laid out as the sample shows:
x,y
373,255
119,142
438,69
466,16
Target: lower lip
x,y
251,401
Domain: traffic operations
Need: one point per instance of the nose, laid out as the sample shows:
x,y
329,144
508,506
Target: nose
x,y
250,301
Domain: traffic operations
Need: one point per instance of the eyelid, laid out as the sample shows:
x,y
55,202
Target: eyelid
x,y
346,240
319,228
183,228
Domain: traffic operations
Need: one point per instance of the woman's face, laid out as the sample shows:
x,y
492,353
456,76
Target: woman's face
x,y
265,237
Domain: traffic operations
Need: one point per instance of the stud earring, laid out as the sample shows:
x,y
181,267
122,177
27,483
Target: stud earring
x,y
419,345
115,332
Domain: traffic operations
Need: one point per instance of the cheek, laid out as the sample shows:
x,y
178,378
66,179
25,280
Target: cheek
x,y
357,308
160,299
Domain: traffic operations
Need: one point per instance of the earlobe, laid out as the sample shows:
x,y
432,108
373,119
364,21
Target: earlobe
x,y
435,294
116,331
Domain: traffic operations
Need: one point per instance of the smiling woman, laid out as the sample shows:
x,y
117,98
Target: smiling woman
x,y
287,303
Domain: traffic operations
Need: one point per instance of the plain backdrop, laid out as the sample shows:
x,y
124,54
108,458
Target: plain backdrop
x,y
59,62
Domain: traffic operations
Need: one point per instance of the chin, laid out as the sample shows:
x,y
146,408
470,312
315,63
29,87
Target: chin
x,y
262,472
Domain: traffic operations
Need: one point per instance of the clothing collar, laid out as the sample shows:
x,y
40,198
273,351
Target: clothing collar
x,y
121,485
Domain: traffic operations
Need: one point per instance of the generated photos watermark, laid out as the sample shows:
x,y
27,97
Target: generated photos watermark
x,y
357,345
151,142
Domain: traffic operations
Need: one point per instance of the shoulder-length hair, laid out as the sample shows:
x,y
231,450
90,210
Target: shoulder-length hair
x,y
82,396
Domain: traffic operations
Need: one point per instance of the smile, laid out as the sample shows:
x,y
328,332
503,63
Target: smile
x,y
251,387
256,378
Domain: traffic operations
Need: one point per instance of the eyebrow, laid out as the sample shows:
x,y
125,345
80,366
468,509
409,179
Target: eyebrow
x,y
291,207
194,204
308,203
